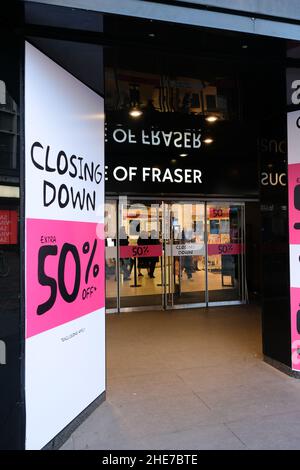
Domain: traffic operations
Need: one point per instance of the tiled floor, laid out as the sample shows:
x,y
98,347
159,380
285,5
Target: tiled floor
x,y
191,379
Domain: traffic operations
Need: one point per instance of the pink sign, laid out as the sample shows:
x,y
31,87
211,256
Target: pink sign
x,y
140,251
65,272
295,308
218,212
8,227
294,203
225,249
294,234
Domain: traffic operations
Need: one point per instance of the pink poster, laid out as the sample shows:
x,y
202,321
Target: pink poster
x,y
225,249
294,233
8,227
64,273
140,251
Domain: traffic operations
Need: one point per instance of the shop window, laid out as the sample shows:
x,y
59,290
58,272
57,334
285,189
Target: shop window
x,y
211,102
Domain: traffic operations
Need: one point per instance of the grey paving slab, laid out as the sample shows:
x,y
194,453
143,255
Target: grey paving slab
x,y
263,399
126,370
141,387
217,437
276,432
191,379
68,445
166,414
100,428
247,372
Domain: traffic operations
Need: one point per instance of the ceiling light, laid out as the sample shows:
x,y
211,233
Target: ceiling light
x,y
135,112
211,118
208,140
9,191
183,155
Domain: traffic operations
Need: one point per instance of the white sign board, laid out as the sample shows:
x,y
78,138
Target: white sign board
x,y
185,249
64,205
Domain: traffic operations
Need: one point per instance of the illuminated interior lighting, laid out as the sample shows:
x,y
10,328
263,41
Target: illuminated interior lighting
x,y
208,140
211,118
183,155
9,191
135,113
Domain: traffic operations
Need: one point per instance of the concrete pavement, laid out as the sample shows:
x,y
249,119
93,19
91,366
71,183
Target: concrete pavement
x,y
191,379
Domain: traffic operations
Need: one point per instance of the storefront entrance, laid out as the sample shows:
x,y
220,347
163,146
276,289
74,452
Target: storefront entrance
x,y
169,254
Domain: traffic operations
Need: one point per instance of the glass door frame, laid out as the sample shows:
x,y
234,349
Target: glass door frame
x,y
115,201
166,304
119,308
169,286
242,259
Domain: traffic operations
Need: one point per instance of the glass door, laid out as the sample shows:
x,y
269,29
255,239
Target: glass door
x,y
140,254
225,253
185,266
162,254
111,255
